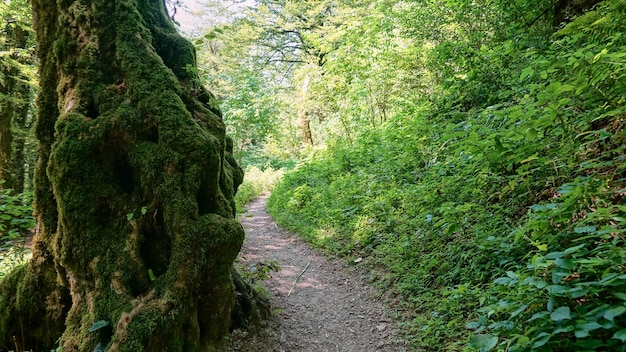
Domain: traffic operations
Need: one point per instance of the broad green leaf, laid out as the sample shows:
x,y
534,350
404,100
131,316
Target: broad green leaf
x,y
512,275
565,263
620,295
129,216
502,281
483,320
589,326
472,325
530,158
560,330
531,134
608,278
591,261
561,313
611,313
100,347
581,333
538,316
585,229
527,72
558,275
484,342
151,275
588,344
98,325
574,249
522,340
541,339
554,255
578,292
620,335
558,290
518,311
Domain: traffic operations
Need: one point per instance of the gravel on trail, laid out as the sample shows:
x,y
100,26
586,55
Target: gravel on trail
x,y
330,309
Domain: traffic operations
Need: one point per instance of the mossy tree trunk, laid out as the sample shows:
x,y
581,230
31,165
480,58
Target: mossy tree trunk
x,y
134,189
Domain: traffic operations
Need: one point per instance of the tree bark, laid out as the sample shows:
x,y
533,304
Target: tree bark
x,y
134,188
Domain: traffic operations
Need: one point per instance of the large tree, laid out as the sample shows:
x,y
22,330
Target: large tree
x,y
134,189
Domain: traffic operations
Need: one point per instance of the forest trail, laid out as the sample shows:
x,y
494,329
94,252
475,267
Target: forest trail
x,y
329,309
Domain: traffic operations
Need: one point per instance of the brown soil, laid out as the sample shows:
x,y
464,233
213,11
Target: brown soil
x,y
329,309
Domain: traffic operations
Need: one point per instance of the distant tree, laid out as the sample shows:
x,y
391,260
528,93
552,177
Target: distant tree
x,y
134,189
283,36
16,91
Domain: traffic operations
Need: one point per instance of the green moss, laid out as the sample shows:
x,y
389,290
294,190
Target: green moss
x,y
30,294
133,176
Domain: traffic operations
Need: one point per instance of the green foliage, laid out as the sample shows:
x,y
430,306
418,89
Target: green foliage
x,y
16,221
413,202
16,214
257,272
255,183
569,294
495,210
18,80
105,332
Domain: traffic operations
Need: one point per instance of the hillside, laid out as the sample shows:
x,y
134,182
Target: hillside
x,y
499,220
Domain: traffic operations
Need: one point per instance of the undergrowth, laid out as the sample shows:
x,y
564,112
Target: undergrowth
x,y
501,227
16,221
255,183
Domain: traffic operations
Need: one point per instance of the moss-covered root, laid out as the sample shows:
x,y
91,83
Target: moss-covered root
x,y
32,305
186,308
251,308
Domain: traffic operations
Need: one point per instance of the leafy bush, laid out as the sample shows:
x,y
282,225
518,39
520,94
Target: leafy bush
x,y
255,183
16,220
16,216
568,292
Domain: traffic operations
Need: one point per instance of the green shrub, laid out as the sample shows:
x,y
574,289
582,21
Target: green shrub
x,y
255,183
16,221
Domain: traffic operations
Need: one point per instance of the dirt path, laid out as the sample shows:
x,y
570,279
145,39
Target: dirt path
x,y
329,308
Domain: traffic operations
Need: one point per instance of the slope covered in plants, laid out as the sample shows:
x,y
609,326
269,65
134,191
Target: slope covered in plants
x,y
495,205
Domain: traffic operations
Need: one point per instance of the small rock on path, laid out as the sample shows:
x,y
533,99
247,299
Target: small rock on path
x,y
329,309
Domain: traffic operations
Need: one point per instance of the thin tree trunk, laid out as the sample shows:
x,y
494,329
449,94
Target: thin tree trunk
x,y
303,118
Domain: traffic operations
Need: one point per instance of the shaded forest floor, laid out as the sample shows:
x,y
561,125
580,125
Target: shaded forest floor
x,y
329,309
